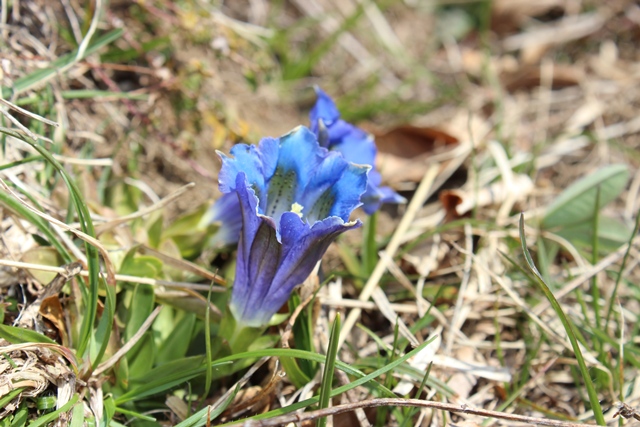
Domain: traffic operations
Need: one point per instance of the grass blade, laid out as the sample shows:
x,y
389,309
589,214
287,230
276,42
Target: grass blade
x,y
568,326
40,76
329,368
86,224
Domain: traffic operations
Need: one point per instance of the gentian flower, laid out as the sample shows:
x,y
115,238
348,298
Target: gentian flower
x,y
295,198
226,212
356,146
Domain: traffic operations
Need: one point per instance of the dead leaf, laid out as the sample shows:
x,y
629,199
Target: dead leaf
x,y
458,202
404,151
51,309
409,141
529,76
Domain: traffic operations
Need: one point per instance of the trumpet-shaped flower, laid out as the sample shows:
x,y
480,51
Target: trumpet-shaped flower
x,y
295,198
355,145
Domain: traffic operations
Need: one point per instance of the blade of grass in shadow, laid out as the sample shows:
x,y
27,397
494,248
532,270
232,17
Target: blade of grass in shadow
x,y
105,325
568,326
329,368
135,414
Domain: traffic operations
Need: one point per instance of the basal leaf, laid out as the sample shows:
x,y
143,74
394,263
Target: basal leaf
x,y
576,203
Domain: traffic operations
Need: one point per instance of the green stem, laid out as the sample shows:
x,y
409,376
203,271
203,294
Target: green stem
x,y
238,336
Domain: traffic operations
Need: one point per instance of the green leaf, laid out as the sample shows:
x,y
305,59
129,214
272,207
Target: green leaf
x,y
369,245
611,233
4,400
141,357
163,378
189,234
141,265
47,256
575,204
175,346
77,416
303,335
105,325
205,415
109,408
293,371
17,335
20,416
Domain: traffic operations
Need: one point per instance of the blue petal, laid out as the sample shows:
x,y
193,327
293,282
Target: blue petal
x,y
324,109
356,146
302,248
257,260
226,212
298,157
269,266
334,190
375,196
257,163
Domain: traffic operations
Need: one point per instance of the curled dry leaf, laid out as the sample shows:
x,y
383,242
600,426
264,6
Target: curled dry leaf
x,y
459,202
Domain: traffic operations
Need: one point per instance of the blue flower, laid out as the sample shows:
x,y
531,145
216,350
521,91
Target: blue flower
x,y
295,198
226,212
356,146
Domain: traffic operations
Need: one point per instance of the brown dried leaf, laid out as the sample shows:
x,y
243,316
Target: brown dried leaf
x,y
529,76
405,150
458,202
51,309
410,141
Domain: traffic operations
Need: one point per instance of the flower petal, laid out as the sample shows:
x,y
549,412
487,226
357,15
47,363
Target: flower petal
x,y
356,146
226,212
324,109
302,248
335,189
257,261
